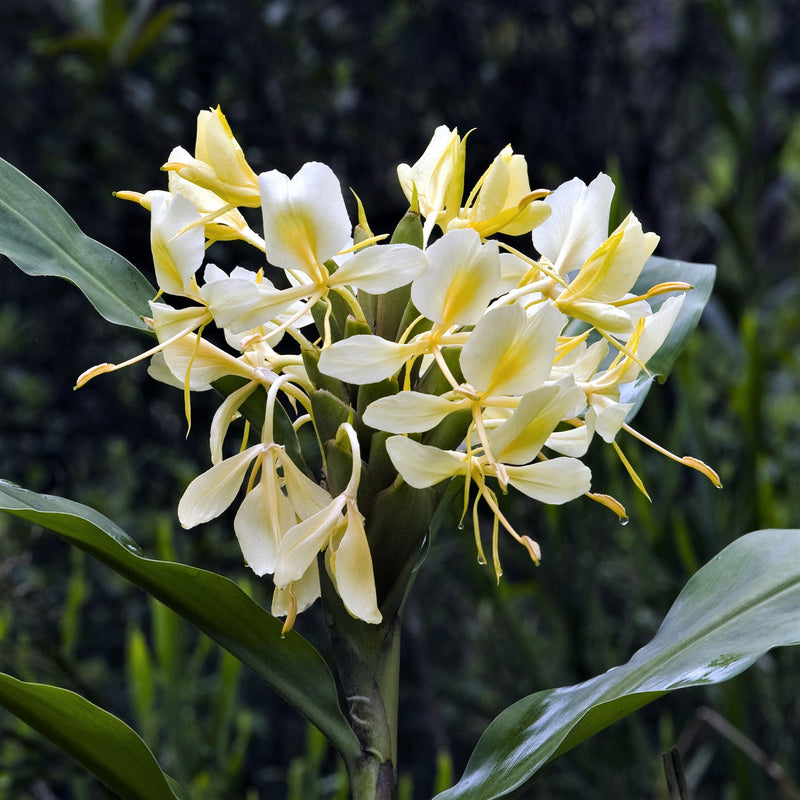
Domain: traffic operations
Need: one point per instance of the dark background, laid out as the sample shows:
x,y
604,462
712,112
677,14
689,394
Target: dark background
x,y
693,107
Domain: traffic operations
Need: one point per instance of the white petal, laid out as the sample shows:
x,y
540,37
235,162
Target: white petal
x,y
261,519
578,223
461,280
509,352
422,465
518,440
209,494
352,569
178,244
241,305
305,218
612,269
364,359
306,496
301,543
408,412
305,591
556,481
381,268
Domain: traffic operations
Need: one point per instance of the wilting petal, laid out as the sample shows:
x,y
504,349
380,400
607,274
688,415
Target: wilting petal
x,y
305,591
364,359
461,280
556,481
408,412
209,494
306,496
422,465
224,416
305,218
351,564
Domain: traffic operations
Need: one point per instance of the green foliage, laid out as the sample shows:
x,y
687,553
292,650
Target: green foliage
x,y
96,739
42,239
695,106
730,613
212,603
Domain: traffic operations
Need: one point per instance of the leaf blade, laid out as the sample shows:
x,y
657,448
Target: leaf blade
x,y
38,235
99,741
732,611
210,602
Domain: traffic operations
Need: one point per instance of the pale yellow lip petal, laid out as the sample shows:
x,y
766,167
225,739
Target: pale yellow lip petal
x,y
510,352
305,218
461,279
614,266
521,437
556,481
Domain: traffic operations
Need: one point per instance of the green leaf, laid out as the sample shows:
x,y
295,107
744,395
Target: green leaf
x,y
732,611
42,239
97,740
212,603
662,270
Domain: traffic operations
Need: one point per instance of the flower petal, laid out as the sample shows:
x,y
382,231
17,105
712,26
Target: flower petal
x,y
381,268
422,465
578,223
509,352
556,481
305,218
178,244
364,358
461,280
351,564
260,521
408,412
301,543
209,494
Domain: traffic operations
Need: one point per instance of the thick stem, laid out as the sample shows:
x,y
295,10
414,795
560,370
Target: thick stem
x,y
367,660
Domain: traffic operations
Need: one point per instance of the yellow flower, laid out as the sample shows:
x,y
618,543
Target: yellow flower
x,y
502,200
218,164
437,179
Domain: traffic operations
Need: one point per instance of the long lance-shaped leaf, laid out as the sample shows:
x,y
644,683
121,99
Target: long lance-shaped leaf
x,y
97,740
212,603
42,239
732,611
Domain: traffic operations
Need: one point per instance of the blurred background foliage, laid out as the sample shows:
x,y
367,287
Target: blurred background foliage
x,y
693,106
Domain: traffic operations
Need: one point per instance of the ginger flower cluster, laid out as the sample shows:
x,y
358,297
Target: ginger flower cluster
x,y
354,366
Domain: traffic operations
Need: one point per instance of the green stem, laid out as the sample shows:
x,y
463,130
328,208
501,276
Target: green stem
x,y
367,659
